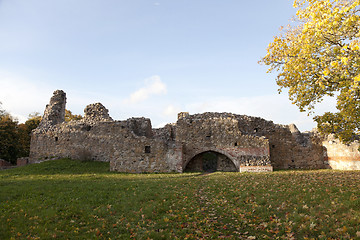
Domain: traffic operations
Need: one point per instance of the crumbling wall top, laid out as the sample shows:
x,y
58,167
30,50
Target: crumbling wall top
x,y
55,110
96,112
140,126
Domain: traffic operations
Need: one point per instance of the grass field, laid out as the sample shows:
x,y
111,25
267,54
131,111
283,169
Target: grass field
x,y
66,199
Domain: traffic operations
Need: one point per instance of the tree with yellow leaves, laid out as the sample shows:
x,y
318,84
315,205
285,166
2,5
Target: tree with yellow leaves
x,y
320,56
71,117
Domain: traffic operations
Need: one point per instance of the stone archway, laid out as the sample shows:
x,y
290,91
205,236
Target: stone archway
x,y
210,161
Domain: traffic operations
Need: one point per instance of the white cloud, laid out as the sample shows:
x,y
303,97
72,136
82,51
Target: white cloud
x,y
161,125
153,86
20,96
171,110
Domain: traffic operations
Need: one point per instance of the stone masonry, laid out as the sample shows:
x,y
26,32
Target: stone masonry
x,y
200,142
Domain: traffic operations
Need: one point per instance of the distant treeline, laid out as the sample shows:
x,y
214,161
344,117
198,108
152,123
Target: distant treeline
x,y
15,137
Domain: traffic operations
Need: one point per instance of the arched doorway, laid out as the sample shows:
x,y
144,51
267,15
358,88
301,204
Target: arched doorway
x,y
210,161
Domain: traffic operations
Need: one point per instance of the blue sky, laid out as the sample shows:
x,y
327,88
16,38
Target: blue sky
x,y
151,58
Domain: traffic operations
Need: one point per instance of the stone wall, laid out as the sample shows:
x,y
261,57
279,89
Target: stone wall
x,y
22,161
341,156
4,163
116,142
219,133
129,146
287,146
199,142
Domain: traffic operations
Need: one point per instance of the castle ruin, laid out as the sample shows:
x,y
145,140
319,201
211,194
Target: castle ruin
x,y
200,142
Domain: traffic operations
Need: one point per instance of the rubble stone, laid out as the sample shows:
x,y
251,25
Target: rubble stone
x,y
55,110
4,163
96,112
22,161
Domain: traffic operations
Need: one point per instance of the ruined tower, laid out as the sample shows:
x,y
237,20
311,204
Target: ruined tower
x,y
55,110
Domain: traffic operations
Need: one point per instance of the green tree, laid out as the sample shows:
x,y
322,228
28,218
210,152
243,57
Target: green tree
x,y
2,111
14,137
33,121
319,56
24,131
71,117
9,138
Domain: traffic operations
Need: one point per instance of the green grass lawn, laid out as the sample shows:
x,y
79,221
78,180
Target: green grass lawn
x,y
66,199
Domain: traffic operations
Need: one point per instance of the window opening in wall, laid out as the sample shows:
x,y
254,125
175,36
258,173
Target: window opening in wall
x,y
208,136
56,139
147,149
235,144
273,146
